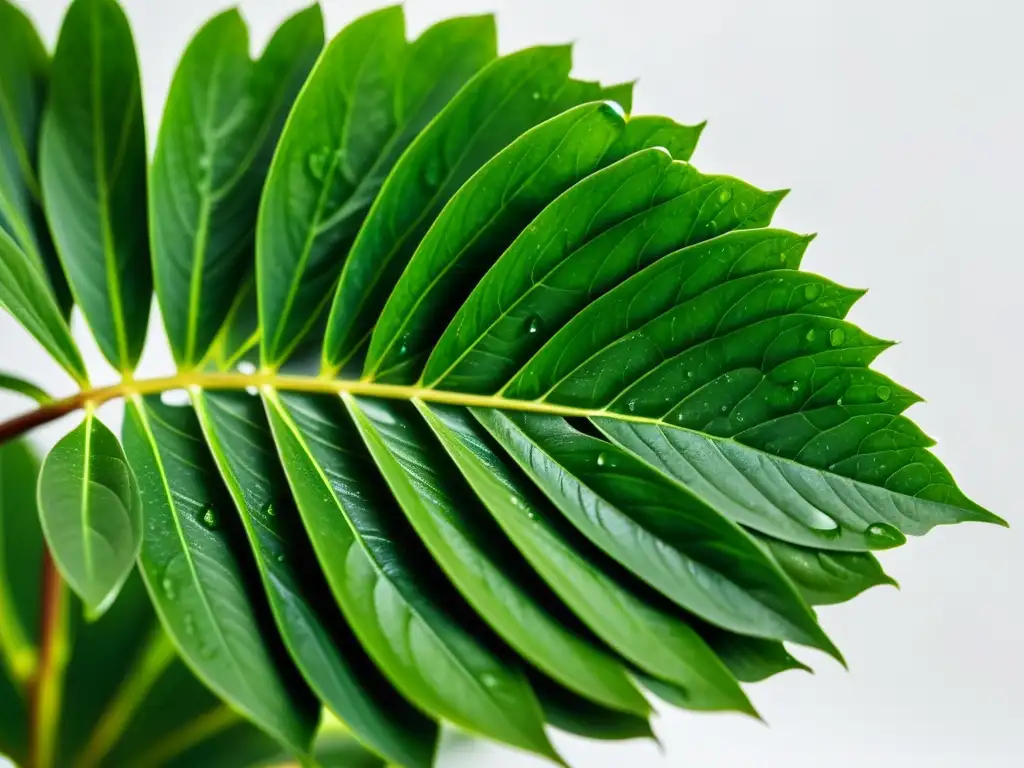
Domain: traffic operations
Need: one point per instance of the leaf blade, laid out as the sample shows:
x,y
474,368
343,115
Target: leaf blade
x,y
93,174
91,512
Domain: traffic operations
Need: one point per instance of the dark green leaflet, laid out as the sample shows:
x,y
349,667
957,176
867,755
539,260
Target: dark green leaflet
x,y
367,98
93,172
25,293
478,223
24,79
23,387
197,571
669,538
600,232
827,578
650,638
475,555
413,626
91,512
653,131
21,552
750,659
322,646
513,94
223,118
483,219
574,714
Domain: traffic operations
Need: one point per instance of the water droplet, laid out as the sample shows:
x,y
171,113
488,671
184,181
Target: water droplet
x,y
269,510
883,536
489,680
434,172
246,368
812,334
319,162
534,324
631,405
602,459
689,374
796,386
536,95
532,515
725,408
252,391
883,392
281,558
210,518
839,401
170,591
812,291
823,525
725,195
836,337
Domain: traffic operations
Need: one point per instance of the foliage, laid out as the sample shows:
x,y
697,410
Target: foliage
x,y
543,418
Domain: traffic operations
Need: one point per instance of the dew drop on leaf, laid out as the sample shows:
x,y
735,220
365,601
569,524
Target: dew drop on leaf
x,y
836,337
883,392
210,518
489,680
318,162
823,525
631,405
884,536
812,291
533,324
725,195
811,334
170,591
602,459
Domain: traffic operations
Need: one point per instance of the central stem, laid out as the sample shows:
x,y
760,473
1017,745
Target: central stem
x,y
289,383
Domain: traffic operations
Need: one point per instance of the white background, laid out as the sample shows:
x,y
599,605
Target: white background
x,y
898,125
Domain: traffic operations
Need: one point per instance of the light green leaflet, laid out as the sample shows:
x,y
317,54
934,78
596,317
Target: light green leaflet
x,y
414,627
487,214
23,387
606,228
507,98
91,512
322,646
652,639
93,169
25,294
367,98
223,118
498,585
668,537
24,79
194,564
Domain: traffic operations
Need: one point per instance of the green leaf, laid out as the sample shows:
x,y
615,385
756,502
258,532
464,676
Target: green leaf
x,y
93,172
827,578
322,646
475,556
22,387
510,96
476,226
21,554
650,638
194,564
26,295
414,627
669,538
367,98
750,659
222,121
91,512
785,499
596,235
24,79
574,714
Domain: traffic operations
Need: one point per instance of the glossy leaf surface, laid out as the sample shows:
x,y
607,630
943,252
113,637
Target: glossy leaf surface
x,y
91,512
93,173
198,575
223,118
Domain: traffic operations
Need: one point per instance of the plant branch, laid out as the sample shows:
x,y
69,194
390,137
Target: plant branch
x,y
49,682
273,381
